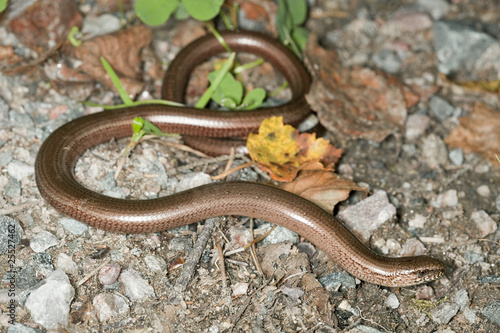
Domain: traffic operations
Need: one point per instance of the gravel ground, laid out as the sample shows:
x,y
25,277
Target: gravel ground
x,y
446,202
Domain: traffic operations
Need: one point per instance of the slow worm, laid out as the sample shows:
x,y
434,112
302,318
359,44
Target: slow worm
x,y
60,151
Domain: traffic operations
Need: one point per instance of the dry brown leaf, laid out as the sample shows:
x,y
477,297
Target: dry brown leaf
x,y
356,102
122,51
324,188
478,132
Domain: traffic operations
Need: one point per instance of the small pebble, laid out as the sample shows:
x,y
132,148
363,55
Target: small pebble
x,y
10,233
492,312
392,301
20,328
497,203
416,125
240,288
280,235
73,226
333,281
440,108
100,25
136,287
346,306
193,180
181,243
484,223
110,307
444,312
368,214
470,315
434,151
462,299
446,199
19,170
456,156
387,60
483,191
292,292
109,273
436,8
57,292
417,221
155,263
42,241
413,247
66,264
425,292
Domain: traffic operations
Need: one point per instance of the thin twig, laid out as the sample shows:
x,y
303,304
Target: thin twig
x,y
221,263
18,208
94,271
253,252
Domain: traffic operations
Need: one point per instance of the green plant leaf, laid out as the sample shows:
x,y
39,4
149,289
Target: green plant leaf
x,y
229,88
72,36
297,10
300,36
205,98
253,99
155,12
3,5
116,81
203,10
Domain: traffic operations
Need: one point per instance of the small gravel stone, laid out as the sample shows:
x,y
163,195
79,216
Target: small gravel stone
x,y
492,312
193,180
462,299
489,279
10,233
20,328
42,241
26,278
73,226
417,222
412,247
240,288
43,263
497,203
484,223
136,287
293,292
392,301
181,243
446,199
470,315
100,25
279,235
13,188
440,108
346,306
483,191
387,60
434,151
5,158
333,281
19,170
474,257
307,248
416,125
456,156
155,263
443,313
49,304
110,307
109,273
413,21
425,292
436,8
66,264
368,214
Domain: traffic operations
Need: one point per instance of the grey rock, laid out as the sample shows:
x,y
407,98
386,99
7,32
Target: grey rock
x,y
292,292
19,170
10,233
20,328
392,301
73,226
279,235
66,264
474,257
26,278
49,303
136,287
416,125
42,241
436,8
155,263
13,188
110,307
100,25
462,299
181,243
468,54
485,224
192,180
434,151
497,203
387,60
456,156
440,108
443,313
492,312
42,262
489,279
5,158
333,281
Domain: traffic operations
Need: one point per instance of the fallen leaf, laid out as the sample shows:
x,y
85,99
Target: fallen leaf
x,y
478,132
324,188
282,151
122,50
356,102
